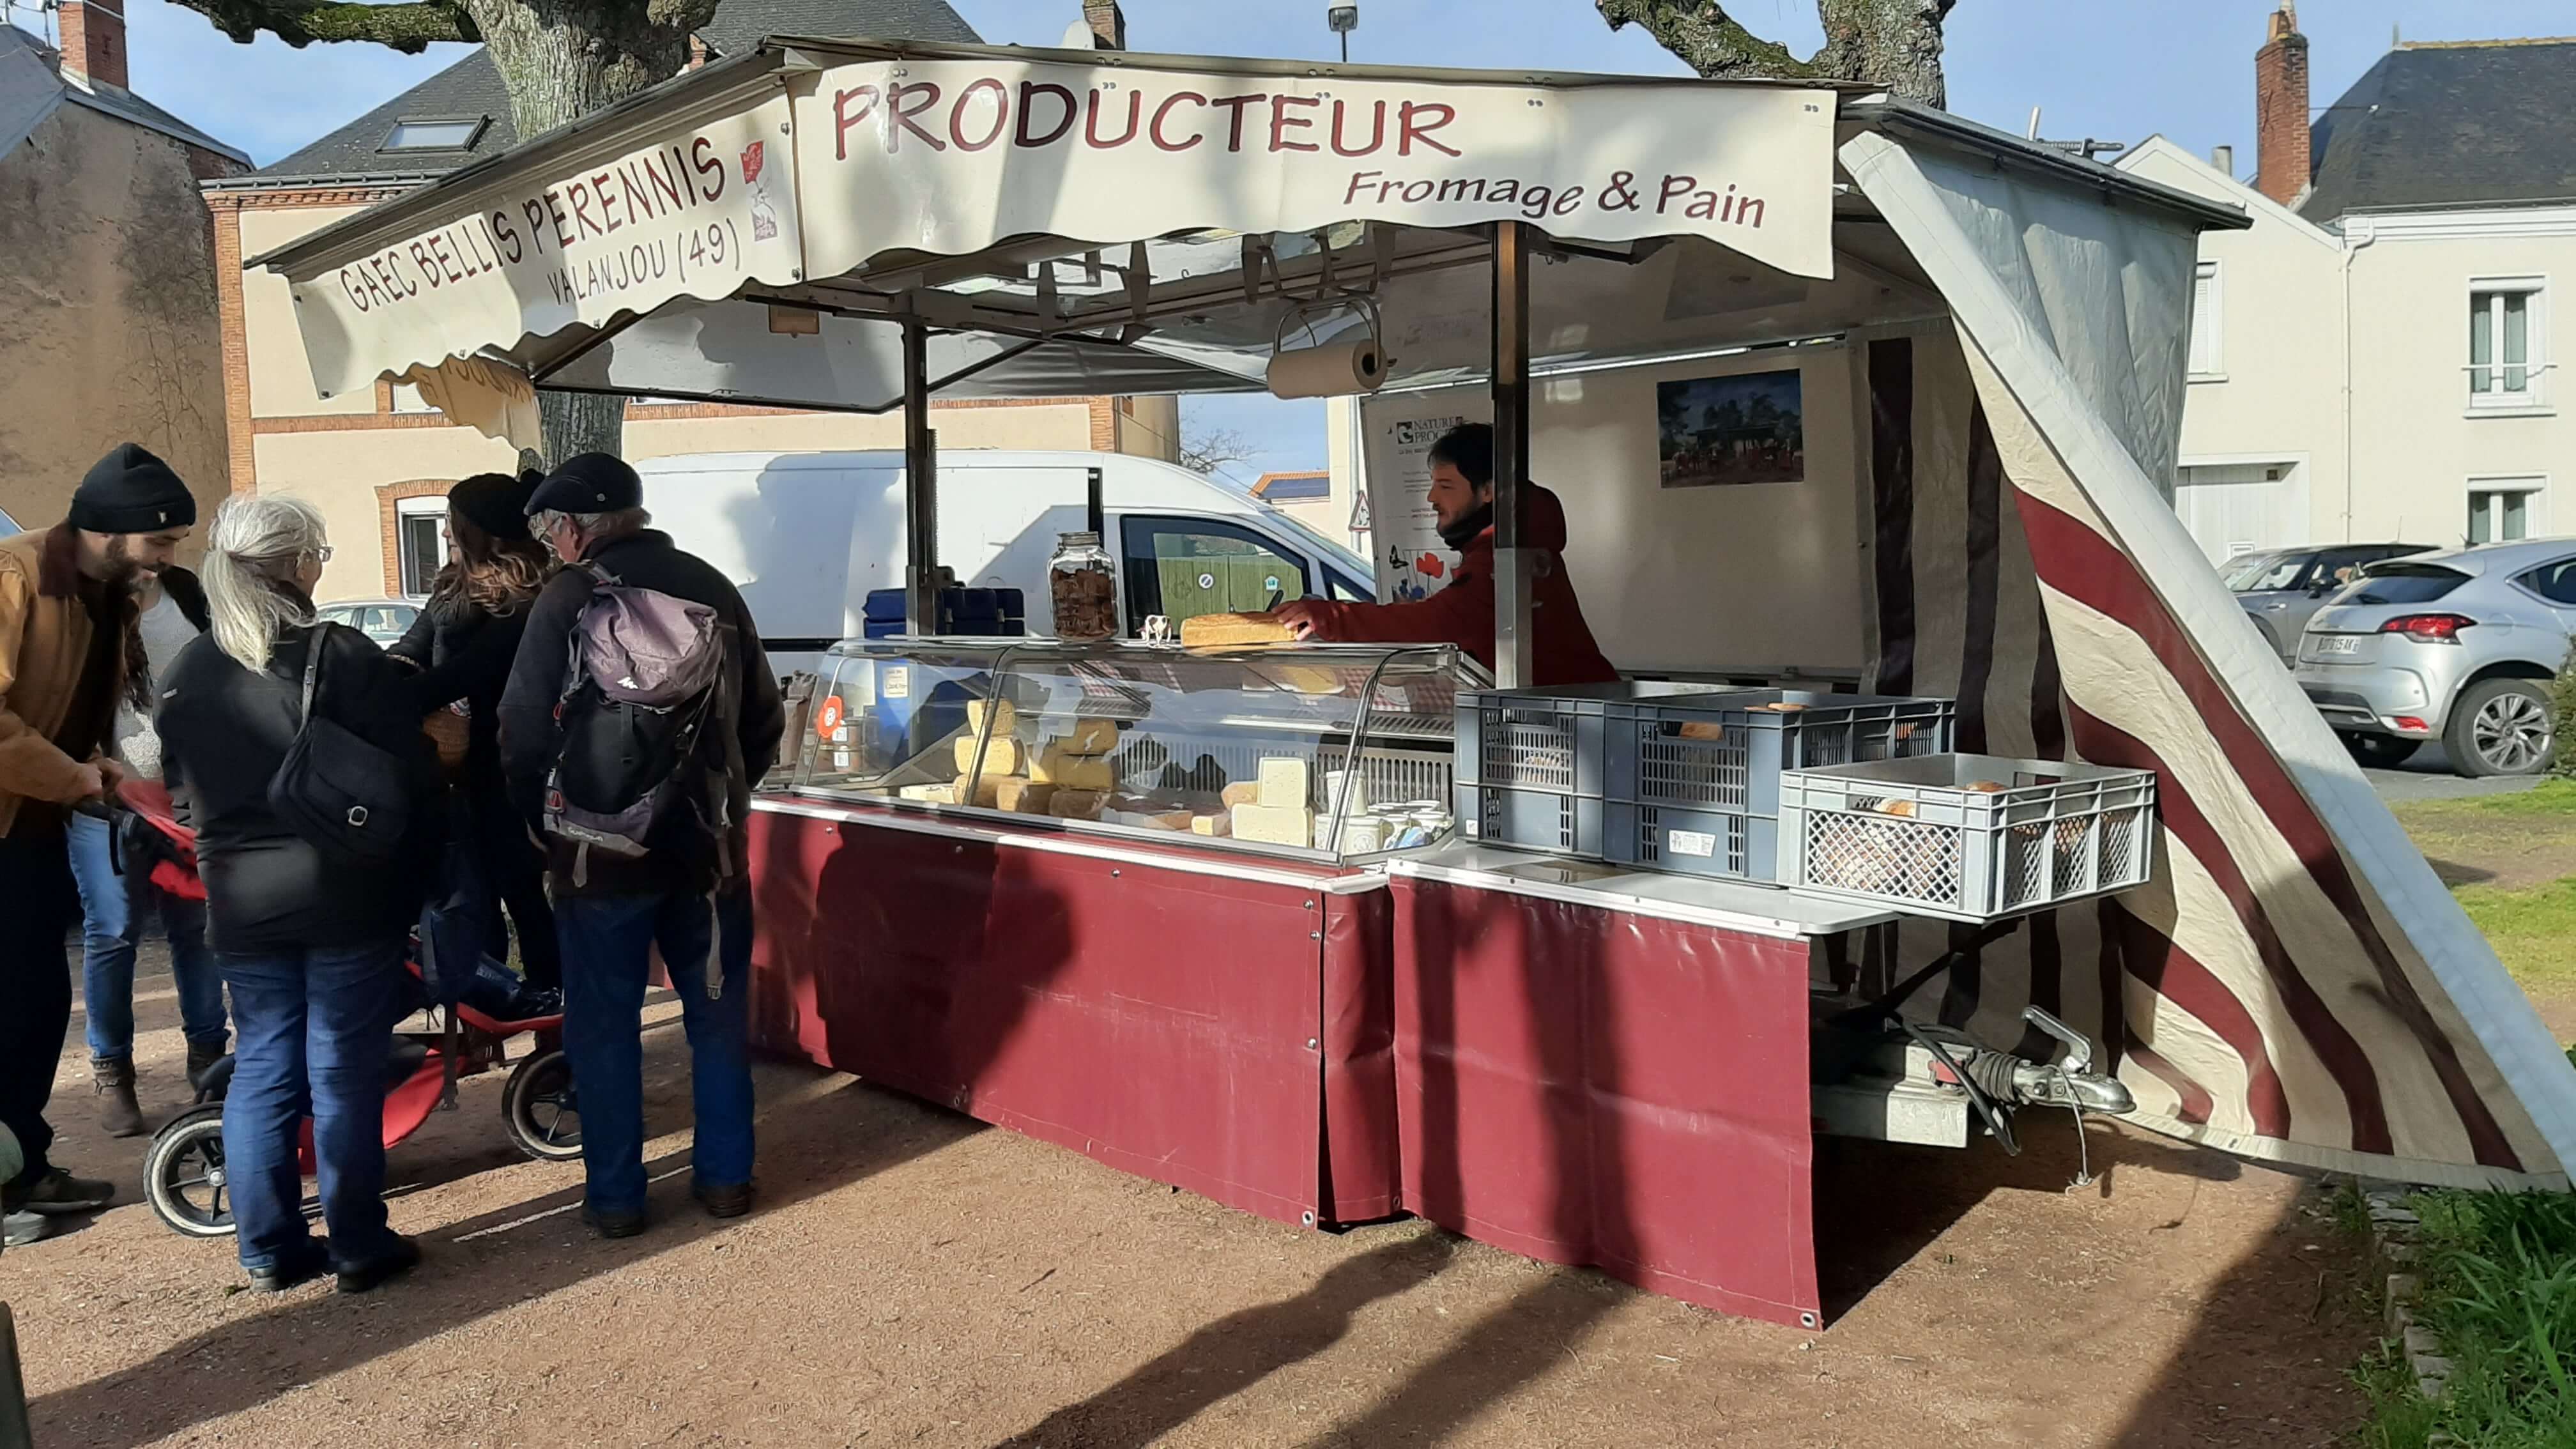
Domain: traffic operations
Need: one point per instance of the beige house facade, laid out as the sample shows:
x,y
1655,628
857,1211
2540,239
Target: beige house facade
x,y
2377,359
108,330
378,464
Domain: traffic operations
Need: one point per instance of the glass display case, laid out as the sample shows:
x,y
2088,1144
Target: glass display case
x,y
1323,751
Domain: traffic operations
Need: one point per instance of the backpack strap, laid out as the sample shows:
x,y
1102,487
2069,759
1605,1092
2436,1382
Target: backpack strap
x,y
313,640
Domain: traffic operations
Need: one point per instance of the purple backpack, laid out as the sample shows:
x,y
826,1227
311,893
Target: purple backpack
x,y
644,683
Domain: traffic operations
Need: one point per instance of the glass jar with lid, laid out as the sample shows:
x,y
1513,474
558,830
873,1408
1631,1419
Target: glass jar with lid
x,y
1084,589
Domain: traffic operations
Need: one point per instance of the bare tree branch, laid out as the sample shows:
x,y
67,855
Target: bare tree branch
x,y
1707,39
408,27
1205,450
1890,43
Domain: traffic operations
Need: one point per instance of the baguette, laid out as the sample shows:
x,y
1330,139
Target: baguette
x,y
1220,631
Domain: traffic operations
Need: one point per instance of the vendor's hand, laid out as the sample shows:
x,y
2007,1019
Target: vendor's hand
x,y
92,782
1302,618
113,775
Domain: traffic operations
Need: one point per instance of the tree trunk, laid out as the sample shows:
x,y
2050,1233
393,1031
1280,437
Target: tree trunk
x,y
560,60
1893,43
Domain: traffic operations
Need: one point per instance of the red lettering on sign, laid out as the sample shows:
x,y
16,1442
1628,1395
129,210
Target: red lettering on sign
x,y
420,259
504,235
665,182
555,213
446,260
844,118
1029,92
1135,122
535,207
1001,114
357,298
922,95
1674,186
1418,120
1377,130
1163,113
1281,123
578,193
702,154
1236,104
607,200
1359,182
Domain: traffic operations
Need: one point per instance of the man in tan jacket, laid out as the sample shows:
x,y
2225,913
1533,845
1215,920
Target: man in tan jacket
x,y
68,651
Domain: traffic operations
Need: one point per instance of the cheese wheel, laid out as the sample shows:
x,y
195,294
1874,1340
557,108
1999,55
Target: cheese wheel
x,y
1001,757
1006,716
1053,766
986,792
1078,804
1219,631
1025,797
1088,737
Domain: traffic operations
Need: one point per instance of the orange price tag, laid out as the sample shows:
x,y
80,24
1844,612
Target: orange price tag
x,y
827,716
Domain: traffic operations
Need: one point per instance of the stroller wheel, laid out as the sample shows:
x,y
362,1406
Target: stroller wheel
x,y
541,1109
183,1175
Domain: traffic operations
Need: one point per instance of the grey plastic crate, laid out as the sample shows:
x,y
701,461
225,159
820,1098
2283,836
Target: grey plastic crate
x,y
1910,833
1530,820
1725,751
1719,843
1549,739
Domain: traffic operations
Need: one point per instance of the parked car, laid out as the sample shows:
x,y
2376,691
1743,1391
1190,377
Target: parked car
x,y
2457,645
383,620
2282,587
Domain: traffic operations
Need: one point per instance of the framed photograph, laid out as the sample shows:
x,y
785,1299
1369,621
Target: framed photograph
x,y
1749,428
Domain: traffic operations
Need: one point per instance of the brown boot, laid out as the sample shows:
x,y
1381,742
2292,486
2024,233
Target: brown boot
x,y
113,1078
201,1055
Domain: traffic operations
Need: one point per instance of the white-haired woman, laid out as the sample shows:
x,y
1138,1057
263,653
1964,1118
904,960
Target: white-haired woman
x,y
310,943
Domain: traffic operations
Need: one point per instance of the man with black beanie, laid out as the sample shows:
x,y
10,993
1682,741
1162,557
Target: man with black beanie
x,y
71,648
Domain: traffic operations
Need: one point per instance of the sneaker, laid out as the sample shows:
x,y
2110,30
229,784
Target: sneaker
x,y
723,1202
24,1228
306,1266
58,1193
614,1224
376,1272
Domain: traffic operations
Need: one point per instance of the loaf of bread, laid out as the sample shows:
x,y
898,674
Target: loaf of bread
x,y
1054,765
1703,729
986,792
1001,757
1006,716
1078,804
1220,631
1025,797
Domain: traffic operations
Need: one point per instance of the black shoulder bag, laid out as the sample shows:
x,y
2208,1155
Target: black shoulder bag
x,y
336,789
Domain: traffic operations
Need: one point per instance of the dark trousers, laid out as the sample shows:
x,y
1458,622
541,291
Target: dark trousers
x,y
38,904
516,868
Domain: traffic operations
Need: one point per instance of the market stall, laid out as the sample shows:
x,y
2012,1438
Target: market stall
x,y
1329,933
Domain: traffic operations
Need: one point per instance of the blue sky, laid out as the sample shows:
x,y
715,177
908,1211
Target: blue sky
x,y
2117,71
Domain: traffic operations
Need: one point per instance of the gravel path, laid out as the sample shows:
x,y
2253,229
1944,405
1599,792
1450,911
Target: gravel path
x,y
912,1278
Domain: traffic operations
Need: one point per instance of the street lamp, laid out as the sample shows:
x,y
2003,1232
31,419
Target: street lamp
x,y
1343,19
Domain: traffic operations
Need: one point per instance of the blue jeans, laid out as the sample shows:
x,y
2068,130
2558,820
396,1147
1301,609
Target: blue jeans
x,y
316,1028
607,941
113,911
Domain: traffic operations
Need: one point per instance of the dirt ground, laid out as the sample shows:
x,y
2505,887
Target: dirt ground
x,y
912,1278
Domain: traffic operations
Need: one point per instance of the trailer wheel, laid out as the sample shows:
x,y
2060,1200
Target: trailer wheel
x,y
183,1175
541,1108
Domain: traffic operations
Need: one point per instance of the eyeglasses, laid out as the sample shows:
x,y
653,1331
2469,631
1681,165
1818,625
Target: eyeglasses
x,y
322,554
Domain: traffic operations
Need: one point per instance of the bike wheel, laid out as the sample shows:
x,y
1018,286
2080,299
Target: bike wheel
x,y
541,1108
183,1175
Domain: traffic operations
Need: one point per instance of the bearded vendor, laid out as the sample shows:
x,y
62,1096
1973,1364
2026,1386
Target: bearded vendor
x,y
1462,498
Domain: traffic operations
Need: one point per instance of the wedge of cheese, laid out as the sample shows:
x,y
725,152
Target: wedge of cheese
x,y
1275,824
929,794
986,792
1088,737
1005,715
1078,804
1285,783
1055,766
1211,825
1218,631
1241,792
1026,797
1002,757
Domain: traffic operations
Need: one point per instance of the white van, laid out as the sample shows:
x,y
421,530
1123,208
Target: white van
x,y
807,536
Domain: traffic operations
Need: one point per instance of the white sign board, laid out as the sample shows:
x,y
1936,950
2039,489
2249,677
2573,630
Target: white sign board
x,y
1396,435
951,157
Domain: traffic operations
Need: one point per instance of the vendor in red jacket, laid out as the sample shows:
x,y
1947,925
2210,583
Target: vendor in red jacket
x,y
1462,497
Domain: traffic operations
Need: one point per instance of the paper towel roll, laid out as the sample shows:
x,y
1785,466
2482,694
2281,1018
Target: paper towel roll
x,y
1335,371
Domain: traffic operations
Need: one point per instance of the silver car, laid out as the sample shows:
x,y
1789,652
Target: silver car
x,y
2458,645
383,620
2281,587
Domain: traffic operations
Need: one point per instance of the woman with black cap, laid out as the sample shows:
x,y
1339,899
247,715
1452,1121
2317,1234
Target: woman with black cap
x,y
463,645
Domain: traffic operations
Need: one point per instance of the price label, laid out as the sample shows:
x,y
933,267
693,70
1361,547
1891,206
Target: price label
x,y
895,681
1690,842
827,717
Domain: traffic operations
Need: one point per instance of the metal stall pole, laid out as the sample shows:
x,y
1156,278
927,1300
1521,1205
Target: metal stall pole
x,y
921,485
1513,659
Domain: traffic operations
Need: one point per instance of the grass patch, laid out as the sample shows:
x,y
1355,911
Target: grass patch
x,y
2499,1291
2532,929
2512,859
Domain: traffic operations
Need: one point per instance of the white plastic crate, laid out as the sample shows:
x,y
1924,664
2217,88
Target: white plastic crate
x,y
1934,835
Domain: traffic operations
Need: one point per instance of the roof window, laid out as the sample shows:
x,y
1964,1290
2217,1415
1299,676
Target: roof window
x,y
435,133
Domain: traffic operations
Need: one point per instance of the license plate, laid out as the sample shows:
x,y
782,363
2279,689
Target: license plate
x,y
2338,644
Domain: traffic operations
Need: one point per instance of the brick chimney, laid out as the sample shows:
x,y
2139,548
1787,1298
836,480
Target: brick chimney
x,y
2281,109
94,40
1108,24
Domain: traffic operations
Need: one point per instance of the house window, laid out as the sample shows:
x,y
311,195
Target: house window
x,y
2503,509
420,542
407,399
2205,322
2505,337
434,133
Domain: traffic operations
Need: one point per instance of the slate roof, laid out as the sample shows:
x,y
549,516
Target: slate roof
x,y
472,86
29,69
1293,487
2449,124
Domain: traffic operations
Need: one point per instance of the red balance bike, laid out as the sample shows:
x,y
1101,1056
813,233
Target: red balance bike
x,y
183,1174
